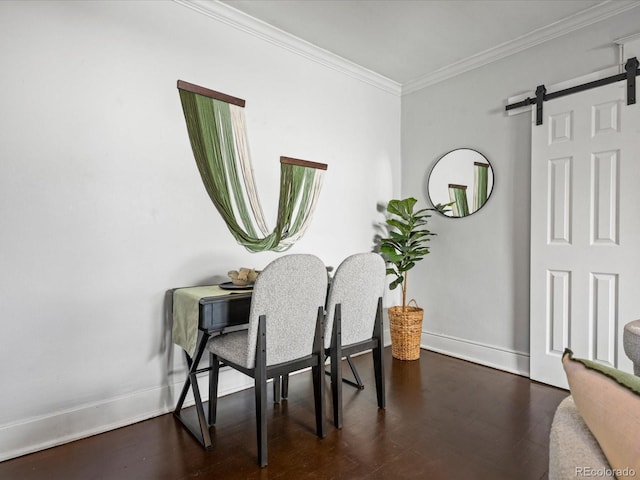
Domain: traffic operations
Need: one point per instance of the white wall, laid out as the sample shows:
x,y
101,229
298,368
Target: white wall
x,y
474,285
103,211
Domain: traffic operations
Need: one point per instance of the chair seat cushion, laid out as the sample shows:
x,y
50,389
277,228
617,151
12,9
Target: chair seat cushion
x,y
232,347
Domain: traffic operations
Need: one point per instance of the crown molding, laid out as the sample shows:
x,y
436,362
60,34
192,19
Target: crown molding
x,y
235,18
562,27
268,33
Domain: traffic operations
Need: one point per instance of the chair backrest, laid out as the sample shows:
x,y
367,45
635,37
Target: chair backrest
x,y
356,286
288,292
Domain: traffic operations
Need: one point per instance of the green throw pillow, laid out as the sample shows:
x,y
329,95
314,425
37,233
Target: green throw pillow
x,y
625,379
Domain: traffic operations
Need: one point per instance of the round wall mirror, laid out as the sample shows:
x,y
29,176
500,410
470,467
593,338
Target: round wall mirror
x,y
462,178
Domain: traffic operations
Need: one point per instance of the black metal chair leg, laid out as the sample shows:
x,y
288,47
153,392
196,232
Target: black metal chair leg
x,y
276,389
260,380
336,367
378,367
378,360
285,385
318,399
358,383
318,374
214,369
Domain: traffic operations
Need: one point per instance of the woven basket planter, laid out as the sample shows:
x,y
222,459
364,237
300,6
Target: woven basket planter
x,y
406,331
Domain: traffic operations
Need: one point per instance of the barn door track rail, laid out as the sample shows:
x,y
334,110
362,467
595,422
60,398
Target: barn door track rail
x,y
542,96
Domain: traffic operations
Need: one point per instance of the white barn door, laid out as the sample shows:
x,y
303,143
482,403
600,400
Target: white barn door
x,y
585,229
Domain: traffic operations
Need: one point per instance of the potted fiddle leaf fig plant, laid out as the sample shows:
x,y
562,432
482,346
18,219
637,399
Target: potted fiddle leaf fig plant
x,y
405,245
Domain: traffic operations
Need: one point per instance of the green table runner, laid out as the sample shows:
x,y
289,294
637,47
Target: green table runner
x,y
186,303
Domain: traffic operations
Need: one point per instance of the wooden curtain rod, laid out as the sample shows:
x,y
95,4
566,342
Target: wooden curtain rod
x,y
303,163
223,97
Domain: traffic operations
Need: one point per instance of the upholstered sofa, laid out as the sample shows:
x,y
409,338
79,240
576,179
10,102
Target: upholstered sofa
x,y
572,448
596,430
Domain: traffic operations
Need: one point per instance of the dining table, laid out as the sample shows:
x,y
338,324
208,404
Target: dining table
x,y
198,313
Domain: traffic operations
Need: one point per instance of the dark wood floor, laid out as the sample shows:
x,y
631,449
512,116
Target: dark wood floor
x,y
445,419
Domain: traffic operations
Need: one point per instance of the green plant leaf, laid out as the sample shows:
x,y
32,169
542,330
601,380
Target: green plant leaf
x,y
403,227
395,283
402,208
394,207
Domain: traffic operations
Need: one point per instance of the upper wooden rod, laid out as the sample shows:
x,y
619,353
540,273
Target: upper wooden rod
x,y
303,163
223,97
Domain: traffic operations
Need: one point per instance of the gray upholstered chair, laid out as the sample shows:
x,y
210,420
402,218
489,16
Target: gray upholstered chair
x,y
285,334
354,321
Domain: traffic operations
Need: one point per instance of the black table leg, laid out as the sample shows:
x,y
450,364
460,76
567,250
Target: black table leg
x,y
201,433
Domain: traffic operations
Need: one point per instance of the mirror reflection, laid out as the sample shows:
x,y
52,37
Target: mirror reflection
x,y
463,178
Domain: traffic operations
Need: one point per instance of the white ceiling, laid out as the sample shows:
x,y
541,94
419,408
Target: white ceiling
x,y
409,40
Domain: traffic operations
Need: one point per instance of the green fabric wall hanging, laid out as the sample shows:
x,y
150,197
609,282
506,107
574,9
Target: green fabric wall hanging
x,y
481,180
217,132
458,197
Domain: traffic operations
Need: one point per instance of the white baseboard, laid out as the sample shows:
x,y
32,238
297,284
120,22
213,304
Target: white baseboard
x,y
48,431
489,355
